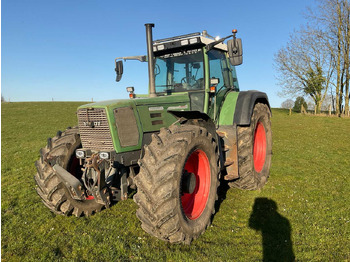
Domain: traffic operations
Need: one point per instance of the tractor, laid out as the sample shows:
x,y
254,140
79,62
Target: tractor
x,y
173,146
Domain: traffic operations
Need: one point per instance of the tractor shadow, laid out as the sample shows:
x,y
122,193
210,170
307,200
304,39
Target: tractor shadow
x,y
222,192
275,230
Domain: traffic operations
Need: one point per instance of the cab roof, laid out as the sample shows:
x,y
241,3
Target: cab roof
x,y
194,40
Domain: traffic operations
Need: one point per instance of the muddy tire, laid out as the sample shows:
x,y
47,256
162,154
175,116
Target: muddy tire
x,y
254,150
165,210
61,150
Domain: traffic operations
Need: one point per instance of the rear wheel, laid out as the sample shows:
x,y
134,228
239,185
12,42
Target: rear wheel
x,y
177,183
254,150
54,194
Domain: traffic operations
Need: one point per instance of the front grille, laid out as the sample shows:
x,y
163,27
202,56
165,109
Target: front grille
x,y
94,129
125,120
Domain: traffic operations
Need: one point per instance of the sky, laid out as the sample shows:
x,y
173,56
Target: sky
x,y
64,50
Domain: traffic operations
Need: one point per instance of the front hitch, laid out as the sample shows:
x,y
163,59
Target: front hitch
x,y
95,181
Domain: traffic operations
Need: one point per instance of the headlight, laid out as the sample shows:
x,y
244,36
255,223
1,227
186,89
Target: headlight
x,y
104,155
80,153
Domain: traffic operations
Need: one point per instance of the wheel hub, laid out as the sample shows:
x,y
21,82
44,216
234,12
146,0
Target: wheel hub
x,y
188,182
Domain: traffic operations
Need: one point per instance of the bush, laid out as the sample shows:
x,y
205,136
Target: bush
x,y
298,102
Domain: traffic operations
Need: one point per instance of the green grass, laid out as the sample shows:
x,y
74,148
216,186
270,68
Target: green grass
x,y
309,183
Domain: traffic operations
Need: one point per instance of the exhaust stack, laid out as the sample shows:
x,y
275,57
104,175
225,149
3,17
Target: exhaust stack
x,y
150,56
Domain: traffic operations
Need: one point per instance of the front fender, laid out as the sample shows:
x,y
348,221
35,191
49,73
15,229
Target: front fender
x,y
196,118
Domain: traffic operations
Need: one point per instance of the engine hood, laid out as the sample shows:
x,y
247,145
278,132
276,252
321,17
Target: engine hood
x,y
130,119
144,101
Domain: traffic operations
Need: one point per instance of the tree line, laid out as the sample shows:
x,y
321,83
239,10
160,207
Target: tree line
x,y
316,59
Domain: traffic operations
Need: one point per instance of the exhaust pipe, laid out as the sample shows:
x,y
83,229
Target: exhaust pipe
x,y
150,56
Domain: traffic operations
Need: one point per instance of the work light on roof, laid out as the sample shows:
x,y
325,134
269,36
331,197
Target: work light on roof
x,y
184,42
193,40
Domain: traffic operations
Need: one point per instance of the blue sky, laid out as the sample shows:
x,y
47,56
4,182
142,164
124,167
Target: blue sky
x,y
65,50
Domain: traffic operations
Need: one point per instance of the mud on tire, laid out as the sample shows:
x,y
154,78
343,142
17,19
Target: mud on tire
x,y
61,150
165,211
254,150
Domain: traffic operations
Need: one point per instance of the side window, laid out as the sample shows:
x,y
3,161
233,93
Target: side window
x,y
160,75
218,67
234,76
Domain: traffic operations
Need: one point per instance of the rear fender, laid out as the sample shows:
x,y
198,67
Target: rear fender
x,y
236,111
245,105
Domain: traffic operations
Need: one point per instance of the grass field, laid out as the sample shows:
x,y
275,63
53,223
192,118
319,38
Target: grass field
x,y
303,211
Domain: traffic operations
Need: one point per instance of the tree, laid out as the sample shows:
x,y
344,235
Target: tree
x,y
304,66
310,104
289,103
2,99
314,85
328,102
333,17
317,58
298,102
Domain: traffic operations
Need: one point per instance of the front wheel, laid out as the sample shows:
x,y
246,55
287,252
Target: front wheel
x,y
254,150
177,183
54,194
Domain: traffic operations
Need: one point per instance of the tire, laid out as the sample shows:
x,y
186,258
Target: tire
x,y
54,194
254,150
165,211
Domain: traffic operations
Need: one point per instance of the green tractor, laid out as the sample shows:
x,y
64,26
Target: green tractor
x,y
174,145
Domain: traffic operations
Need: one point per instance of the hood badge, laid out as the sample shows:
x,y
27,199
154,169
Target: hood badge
x,y
92,124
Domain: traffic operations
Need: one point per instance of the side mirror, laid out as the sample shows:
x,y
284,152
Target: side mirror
x,y
119,70
235,51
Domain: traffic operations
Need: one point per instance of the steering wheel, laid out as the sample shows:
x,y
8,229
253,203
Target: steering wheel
x,y
199,84
186,80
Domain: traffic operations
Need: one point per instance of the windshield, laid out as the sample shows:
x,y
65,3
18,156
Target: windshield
x,y
179,72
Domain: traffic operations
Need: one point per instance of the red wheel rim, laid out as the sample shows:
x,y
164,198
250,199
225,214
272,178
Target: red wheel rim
x,y
194,204
259,153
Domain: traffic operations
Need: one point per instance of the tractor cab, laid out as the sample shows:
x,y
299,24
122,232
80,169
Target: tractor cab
x,y
197,64
182,64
